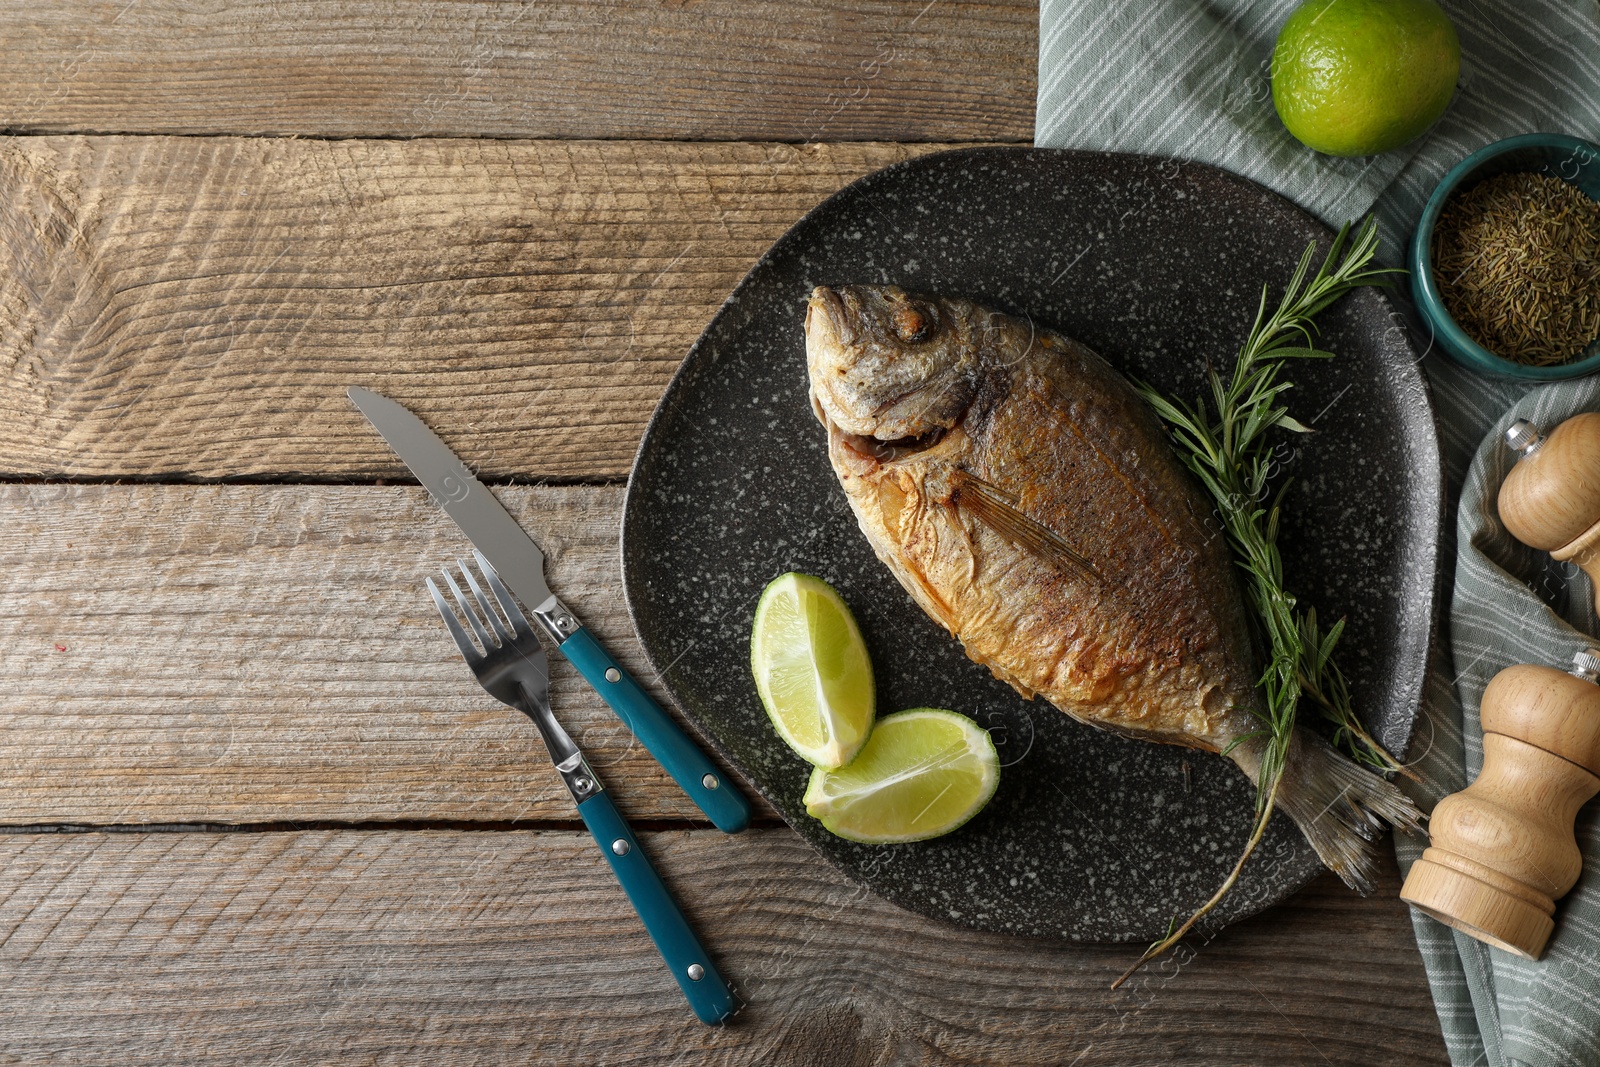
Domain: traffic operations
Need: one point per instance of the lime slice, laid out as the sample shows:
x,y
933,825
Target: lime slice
x,y
812,669
923,773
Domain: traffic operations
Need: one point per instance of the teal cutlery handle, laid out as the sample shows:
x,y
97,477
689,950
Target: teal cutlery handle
x,y
686,958
681,757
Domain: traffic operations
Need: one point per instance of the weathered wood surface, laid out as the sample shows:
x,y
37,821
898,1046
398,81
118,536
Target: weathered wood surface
x,y
194,307
516,947
258,653
906,70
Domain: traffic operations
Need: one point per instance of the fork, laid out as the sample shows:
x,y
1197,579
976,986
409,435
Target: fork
x,y
510,664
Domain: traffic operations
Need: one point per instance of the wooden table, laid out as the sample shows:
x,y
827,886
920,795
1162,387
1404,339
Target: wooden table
x,y
256,810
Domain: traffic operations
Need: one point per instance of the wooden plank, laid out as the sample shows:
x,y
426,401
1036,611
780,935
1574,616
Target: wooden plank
x,y
711,70
194,307
240,654
479,948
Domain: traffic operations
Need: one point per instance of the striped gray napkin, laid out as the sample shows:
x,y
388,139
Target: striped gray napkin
x,y
1189,78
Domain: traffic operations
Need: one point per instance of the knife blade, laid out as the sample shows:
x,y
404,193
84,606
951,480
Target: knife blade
x,y
520,563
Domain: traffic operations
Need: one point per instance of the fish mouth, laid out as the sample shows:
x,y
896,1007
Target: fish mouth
x,y
832,303
878,449
873,450
895,450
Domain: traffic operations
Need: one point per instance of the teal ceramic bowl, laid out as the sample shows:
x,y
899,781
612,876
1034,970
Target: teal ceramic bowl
x,y
1572,159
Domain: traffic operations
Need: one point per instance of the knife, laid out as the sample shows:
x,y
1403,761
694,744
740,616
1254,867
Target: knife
x,y
520,564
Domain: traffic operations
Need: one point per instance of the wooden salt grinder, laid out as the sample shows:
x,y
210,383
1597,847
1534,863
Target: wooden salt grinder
x,y
1503,849
1551,498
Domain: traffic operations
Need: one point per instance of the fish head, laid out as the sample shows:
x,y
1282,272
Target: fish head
x,y
889,367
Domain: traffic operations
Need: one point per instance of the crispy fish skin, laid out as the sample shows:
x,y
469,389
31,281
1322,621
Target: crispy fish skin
x,y
1026,498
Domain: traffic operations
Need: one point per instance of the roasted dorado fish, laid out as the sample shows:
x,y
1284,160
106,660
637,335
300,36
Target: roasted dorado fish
x,y
1027,499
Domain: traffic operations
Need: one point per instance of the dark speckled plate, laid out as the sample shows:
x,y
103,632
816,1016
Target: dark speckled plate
x,y
1158,266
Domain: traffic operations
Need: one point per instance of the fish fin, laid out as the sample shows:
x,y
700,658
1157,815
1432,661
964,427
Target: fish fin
x,y
1339,806
998,510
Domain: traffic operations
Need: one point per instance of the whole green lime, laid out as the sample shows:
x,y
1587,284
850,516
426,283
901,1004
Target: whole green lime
x,y
1357,77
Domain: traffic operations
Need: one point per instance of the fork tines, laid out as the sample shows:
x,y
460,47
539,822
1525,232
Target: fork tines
x,y
513,614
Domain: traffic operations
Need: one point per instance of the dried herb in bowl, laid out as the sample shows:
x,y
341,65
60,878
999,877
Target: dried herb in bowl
x,y
1517,258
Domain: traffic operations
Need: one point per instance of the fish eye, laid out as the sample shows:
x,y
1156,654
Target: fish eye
x,y
913,322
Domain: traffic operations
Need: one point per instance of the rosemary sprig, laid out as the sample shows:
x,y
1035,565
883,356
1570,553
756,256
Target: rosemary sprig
x,y
1323,681
1225,444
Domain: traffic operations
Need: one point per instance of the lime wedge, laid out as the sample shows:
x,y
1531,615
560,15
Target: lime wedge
x,y
812,669
923,773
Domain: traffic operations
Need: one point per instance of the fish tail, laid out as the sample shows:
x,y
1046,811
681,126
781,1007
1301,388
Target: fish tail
x,y
1338,805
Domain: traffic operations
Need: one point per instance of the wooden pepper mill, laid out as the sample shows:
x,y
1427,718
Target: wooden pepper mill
x,y
1503,849
1551,498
